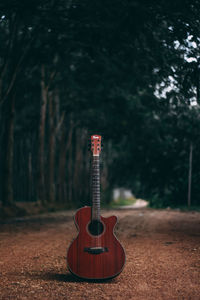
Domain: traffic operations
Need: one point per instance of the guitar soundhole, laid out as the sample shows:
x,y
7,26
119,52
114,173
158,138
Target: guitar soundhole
x,y
95,227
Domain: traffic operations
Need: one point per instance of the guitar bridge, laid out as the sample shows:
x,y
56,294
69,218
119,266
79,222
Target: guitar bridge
x,y
96,250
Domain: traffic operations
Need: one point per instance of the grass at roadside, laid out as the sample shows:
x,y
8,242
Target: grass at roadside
x,y
123,202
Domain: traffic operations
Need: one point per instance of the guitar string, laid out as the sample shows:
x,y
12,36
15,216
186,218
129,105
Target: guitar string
x,y
98,187
96,197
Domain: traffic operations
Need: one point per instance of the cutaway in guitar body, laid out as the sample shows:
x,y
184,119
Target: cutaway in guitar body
x,y
95,256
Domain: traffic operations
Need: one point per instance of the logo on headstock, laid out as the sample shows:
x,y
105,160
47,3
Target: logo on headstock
x,y
96,144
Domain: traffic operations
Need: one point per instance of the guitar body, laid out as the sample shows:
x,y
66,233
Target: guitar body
x,y
95,255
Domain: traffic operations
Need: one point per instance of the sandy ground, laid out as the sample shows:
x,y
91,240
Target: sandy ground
x,y
162,249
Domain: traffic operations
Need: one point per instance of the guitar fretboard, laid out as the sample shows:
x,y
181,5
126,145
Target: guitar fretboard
x,y
95,188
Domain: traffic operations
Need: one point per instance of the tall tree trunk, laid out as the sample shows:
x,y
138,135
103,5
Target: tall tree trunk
x,y
7,184
198,83
51,154
64,147
69,194
41,194
61,166
81,177
190,175
30,177
77,180
57,105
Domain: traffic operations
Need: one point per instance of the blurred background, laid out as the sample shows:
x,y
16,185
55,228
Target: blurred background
x,y
128,70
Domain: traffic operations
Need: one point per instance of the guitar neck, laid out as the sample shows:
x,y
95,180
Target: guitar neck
x,y
95,188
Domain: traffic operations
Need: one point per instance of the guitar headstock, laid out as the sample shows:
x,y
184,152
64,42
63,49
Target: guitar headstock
x,y
96,144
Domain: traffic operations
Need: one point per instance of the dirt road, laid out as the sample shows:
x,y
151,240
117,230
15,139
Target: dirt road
x,y
162,248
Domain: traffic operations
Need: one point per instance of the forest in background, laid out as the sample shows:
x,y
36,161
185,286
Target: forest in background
x,y
129,70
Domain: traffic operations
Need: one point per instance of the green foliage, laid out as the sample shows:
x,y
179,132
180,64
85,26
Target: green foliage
x,y
103,63
157,202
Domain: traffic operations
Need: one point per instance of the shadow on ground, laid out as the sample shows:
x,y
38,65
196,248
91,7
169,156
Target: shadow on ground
x,y
68,277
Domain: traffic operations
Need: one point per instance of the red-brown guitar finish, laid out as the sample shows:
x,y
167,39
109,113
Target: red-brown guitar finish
x,y
87,265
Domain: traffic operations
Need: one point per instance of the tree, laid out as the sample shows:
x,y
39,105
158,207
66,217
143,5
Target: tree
x,y
74,68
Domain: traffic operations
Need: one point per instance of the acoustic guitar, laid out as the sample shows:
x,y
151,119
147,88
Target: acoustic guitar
x,y
95,253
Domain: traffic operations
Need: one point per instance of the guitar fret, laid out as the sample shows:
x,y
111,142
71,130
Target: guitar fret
x,y
95,188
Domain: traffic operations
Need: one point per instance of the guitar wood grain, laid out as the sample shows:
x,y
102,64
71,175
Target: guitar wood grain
x,y
87,265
